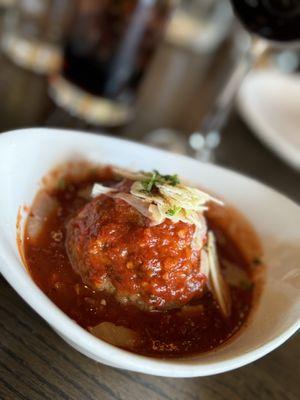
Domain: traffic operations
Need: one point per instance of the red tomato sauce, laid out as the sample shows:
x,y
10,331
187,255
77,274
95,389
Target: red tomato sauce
x,y
114,247
193,329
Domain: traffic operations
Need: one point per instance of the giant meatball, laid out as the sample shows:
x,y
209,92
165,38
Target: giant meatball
x,y
114,248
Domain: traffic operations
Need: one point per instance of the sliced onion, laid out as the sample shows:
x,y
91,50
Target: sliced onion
x,y
200,233
186,197
137,189
157,216
141,205
218,284
100,189
149,211
116,335
43,206
177,203
204,263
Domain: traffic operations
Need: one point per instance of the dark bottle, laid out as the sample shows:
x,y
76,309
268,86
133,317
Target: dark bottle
x,y
277,20
111,44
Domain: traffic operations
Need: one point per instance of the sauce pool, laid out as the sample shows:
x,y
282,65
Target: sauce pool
x,y
196,328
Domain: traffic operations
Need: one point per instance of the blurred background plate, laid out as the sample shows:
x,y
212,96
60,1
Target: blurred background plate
x,y
269,101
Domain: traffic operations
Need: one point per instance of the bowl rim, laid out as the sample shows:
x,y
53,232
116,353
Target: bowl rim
x,y
99,350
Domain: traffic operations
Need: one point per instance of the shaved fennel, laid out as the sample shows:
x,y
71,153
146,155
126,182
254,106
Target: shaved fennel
x,y
217,282
100,189
159,197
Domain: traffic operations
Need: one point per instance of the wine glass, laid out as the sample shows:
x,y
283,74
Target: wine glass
x,y
271,23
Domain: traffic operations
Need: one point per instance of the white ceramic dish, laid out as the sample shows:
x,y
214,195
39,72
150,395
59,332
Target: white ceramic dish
x,y
27,155
269,103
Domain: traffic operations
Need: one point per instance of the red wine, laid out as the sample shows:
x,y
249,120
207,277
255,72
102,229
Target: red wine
x,y
111,44
277,20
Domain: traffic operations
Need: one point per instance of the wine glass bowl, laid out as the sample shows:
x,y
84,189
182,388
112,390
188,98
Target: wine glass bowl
x,y
271,22
276,20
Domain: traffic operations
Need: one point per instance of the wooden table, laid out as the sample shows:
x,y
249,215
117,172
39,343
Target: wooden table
x,y
35,364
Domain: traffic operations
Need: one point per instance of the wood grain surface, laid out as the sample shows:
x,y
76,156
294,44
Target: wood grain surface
x,y
36,364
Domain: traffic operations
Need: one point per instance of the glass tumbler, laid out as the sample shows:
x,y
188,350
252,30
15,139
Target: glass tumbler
x,y
106,56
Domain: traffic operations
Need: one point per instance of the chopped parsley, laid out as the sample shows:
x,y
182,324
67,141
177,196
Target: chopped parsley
x,y
156,178
148,184
173,211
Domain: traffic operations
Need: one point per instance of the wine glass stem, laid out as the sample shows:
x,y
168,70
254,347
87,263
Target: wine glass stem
x,y
205,141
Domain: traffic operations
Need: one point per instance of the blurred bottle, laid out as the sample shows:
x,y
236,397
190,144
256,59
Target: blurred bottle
x,y
176,95
200,25
34,31
106,56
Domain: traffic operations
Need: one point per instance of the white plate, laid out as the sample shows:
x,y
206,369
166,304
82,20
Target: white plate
x,y
27,155
269,101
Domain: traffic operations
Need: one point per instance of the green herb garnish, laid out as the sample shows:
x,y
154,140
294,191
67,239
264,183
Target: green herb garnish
x,y
172,180
149,183
173,211
156,178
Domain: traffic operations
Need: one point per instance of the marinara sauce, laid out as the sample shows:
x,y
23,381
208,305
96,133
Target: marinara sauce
x,y
192,329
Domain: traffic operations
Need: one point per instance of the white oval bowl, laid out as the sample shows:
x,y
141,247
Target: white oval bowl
x,y
28,155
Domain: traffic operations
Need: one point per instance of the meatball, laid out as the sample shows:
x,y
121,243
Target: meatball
x,y
114,248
